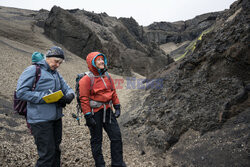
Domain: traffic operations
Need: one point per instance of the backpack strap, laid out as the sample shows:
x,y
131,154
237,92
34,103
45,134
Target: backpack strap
x,y
38,75
92,78
107,74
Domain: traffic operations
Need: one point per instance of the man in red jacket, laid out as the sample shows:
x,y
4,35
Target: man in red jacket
x,y
97,94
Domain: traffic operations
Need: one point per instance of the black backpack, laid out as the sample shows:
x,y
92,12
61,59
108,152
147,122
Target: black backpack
x,y
20,106
92,80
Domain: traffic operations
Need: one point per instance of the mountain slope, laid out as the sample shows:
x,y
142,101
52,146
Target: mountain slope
x,y
81,32
19,38
197,116
199,99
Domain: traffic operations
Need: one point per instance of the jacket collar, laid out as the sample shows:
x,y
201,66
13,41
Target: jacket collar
x,y
43,64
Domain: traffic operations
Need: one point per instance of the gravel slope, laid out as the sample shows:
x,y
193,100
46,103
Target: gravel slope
x,y
18,40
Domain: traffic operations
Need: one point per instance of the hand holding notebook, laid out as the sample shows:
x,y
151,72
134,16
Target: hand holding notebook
x,y
53,97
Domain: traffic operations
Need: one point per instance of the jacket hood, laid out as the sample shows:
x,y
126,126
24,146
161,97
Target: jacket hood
x,y
90,59
37,56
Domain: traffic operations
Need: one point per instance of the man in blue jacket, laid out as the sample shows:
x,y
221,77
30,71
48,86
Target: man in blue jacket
x,y
45,119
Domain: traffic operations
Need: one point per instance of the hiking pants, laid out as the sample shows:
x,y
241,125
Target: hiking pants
x,y
114,134
48,136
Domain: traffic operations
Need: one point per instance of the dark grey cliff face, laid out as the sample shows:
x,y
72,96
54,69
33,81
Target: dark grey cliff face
x,y
206,93
62,27
82,32
40,17
134,28
177,32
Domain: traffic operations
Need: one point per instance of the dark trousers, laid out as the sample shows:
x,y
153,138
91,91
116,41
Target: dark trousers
x,y
48,136
114,134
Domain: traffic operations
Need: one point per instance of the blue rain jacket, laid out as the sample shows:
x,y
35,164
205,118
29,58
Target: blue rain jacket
x,y
37,109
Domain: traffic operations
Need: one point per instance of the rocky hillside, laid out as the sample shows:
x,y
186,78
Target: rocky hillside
x,y
19,38
82,32
199,114
192,112
181,31
174,38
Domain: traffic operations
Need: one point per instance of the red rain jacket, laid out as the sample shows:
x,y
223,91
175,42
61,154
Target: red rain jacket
x,y
99,91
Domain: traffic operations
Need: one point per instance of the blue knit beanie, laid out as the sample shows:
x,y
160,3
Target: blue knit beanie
x,y
55,51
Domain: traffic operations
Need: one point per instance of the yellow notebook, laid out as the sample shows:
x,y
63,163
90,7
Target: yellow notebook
x,y
53,97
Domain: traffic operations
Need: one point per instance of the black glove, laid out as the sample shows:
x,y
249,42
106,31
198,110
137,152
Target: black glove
x,y
90,122
69,98
62,102
65,100
117,110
